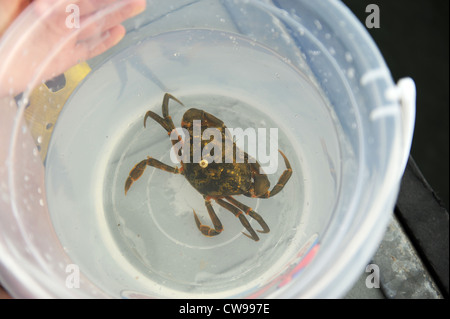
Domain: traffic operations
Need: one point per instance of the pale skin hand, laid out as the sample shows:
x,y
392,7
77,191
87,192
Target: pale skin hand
x,y
46,35
4,294
9,10
100,29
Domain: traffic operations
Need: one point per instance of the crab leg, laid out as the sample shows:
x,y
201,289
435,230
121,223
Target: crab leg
x,y
206,230
165,104
281,181
165,121
167,124
239,214
249,211
140,167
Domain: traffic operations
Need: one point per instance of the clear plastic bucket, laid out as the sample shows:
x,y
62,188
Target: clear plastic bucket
x,y
306,68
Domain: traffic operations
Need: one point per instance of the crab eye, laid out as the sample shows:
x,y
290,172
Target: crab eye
x,y
203,163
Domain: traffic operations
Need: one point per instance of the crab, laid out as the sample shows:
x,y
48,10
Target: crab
x,y
215,181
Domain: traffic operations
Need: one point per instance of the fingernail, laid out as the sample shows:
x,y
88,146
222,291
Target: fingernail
x,y
138,7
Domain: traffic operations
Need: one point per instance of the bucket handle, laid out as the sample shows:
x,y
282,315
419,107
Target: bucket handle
x,y
405,93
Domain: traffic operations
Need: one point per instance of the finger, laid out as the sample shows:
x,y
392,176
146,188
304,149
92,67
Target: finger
x,y
88,7
95,46
9,10
108,17
59,7
95,16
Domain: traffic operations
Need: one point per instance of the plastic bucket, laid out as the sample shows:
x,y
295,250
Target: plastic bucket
x,y
306,68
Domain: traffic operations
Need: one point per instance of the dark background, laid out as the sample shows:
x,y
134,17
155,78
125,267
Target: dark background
x,y
414,40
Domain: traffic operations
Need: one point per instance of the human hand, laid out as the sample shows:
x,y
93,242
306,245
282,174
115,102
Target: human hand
x,y
9,10
50,44
4,294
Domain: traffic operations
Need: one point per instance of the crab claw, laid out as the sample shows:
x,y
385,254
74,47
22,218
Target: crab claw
x,y
128,183
206,230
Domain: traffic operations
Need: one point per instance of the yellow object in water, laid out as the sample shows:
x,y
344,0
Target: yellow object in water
x,y
47,101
